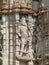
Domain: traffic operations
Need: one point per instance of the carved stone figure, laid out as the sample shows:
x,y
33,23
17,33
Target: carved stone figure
x,y
24,34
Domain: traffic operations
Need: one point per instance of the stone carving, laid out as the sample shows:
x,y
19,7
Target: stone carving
x,y
24,33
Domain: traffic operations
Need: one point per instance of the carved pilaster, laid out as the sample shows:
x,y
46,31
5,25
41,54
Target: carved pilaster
x,y
5,40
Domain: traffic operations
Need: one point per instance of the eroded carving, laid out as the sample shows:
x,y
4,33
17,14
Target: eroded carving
x,y
24,33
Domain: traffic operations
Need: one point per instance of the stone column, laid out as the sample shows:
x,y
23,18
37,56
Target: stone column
x,y
5,40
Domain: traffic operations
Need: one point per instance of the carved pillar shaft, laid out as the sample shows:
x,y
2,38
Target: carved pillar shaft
x,y
5,40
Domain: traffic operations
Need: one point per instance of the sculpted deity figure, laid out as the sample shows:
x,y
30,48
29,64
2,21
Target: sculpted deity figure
x,y
24,34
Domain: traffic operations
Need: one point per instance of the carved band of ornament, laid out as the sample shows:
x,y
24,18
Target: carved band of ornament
x,y
23,10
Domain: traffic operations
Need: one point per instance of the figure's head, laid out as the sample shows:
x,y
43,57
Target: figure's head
x,y
23,20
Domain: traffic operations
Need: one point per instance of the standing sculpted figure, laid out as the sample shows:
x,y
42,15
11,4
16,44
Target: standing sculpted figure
x,y
24,34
